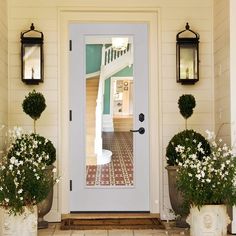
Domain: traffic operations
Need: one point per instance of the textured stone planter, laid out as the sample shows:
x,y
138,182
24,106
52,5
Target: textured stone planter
x,y
176,198
24,224
210,220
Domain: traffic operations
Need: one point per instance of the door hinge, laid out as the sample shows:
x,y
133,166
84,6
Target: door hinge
x,y
70,115
70,185
70,45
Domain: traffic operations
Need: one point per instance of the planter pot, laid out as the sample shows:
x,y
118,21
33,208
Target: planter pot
x,y
45,206
24,224
210,220
176,198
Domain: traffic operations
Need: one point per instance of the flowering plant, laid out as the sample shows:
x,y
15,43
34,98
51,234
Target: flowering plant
x,y
210,180
23,181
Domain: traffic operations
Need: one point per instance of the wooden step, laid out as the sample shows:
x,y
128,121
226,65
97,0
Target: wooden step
x,y
107,221
91,97
123,123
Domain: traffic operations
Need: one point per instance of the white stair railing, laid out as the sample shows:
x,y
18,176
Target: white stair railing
x,y
112,62
109,55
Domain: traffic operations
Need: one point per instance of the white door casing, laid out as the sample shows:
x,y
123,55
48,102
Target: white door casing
x,y
133,198
82,14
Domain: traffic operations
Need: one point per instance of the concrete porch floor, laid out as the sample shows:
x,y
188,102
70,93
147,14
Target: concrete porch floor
x,y
54,230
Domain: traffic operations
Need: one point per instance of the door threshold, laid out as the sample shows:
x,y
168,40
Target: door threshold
x,y
109,215
108,221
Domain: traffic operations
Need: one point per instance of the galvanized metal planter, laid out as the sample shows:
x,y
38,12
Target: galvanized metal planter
x,y
45,206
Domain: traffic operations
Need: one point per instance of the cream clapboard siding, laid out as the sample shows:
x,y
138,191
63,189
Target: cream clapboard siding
x,y
173,17
232,8
222,68
3,71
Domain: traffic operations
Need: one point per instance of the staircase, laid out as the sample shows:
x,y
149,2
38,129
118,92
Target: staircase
x,y
91,96
123,123
112,62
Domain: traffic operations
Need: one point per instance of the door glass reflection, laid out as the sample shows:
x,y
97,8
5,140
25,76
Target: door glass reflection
x,y
109,111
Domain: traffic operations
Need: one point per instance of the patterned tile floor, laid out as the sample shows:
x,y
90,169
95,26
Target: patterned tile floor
x,y
119,172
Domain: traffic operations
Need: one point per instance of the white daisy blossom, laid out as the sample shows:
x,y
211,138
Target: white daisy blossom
x,y
179,148
20,191
210,135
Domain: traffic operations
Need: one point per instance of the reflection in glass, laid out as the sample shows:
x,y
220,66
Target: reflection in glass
x,y
31,62
188,57
109,113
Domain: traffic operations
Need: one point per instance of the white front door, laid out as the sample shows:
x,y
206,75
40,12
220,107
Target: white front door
x,y
115,197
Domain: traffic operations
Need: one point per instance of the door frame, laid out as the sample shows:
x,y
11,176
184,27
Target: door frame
x,y
150,16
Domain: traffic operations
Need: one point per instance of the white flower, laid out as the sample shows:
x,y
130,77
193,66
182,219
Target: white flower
x,y
7,199
210,135
202,174
179,148
20,190
227,162
193,156
12,160
1,188
54,170
198,176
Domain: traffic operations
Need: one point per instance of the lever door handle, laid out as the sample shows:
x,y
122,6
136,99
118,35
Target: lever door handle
x,y
141,130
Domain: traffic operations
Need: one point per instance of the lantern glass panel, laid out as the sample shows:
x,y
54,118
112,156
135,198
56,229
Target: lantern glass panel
x,y
32,61
188,61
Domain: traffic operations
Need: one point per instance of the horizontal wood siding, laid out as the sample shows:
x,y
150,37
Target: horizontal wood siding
x,y
173,17
3,72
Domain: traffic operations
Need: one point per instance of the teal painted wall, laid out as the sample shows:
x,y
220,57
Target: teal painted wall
x,y
126,72
93,57
107,95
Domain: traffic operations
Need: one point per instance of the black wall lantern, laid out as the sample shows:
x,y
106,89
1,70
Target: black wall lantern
x,y
187,57
32,56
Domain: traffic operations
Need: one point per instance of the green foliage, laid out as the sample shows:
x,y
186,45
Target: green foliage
x,y
186,104
45,145
34,104
210,180
23,179
188,139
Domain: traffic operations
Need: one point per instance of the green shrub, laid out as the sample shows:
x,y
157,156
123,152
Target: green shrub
x,y
34,104
189,139
186,104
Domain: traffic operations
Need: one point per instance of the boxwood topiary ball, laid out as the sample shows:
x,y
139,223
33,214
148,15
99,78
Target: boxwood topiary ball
x,y
34,104
186,104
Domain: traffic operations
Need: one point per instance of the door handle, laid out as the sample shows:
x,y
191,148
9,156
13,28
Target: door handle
x,y
141,130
